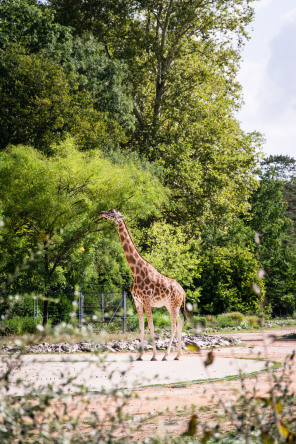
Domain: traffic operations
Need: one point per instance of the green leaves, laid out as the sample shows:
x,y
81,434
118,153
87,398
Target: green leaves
x,y
226,279
170,251
40,107
147,91
52,204
270,219
182,59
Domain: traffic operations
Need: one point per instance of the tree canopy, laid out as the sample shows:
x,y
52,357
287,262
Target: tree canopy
x,y
133,104
51,204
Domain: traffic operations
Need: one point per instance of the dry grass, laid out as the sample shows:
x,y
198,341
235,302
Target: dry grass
x,y
71,339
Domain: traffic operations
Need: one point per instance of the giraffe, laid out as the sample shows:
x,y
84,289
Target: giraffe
x,y
149,288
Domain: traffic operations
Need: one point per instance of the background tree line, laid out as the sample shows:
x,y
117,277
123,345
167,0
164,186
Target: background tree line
x,y
132,105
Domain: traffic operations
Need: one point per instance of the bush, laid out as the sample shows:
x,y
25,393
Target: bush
x,y
224,321
252,321
162,320
236,316
24,306
226,279
211,321
132,323
60,309
20,325
230,319
200,320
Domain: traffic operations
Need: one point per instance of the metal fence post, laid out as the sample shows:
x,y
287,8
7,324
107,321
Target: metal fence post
x,y
80,307
102,308
124,312
35,307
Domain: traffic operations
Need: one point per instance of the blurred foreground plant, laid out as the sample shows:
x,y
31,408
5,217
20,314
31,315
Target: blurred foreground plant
x,y
64,410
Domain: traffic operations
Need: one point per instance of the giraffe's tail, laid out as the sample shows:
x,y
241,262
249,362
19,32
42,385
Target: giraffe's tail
x,y
184,312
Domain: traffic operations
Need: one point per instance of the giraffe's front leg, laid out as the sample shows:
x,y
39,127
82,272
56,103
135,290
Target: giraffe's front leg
x,y
140,312
151,328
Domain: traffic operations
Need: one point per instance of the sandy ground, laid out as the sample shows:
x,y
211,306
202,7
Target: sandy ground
x,y
206,396
203,396
42,370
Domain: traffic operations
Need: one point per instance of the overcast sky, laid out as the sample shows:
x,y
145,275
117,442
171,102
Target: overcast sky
x,y
268,76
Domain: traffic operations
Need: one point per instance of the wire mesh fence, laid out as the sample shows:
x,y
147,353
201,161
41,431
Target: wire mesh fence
x,y
97,305
110,307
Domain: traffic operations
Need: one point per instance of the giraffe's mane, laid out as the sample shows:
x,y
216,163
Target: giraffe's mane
x,y
134,243
139,253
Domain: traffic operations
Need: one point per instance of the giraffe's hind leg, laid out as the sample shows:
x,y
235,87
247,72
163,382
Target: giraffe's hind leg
x,y
179,332
174,316
140,312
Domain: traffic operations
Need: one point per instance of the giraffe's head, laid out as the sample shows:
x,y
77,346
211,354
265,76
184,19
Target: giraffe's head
x,y
114,215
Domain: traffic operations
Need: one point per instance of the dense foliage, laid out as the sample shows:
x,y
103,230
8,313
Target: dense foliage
x,y
51,207
132,105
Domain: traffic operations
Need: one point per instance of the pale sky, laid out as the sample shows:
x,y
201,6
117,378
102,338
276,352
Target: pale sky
x,y
268,76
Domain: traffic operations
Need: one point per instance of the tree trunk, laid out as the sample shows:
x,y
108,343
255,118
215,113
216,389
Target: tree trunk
x,y
45,311
46,302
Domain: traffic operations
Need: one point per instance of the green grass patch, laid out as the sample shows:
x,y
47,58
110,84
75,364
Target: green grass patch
x,y
20,325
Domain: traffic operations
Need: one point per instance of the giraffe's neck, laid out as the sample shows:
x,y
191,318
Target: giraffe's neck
x,y
133,257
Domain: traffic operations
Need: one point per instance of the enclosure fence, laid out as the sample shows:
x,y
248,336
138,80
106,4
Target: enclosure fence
x,y
94,306
108,312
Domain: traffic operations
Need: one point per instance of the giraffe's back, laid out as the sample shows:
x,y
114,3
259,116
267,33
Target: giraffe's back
x,y
157,290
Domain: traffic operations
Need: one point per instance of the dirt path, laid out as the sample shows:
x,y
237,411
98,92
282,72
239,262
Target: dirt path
x,y
207,395
203,396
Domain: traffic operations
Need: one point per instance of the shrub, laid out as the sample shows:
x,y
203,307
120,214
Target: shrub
x,y
60,309
211,321
24,306
226,279
252,321
236,316
224,321
20,325
200,320
230,319
132,323
162,320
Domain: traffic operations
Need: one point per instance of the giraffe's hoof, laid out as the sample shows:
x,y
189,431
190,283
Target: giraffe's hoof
x,y
164,358
177,358
153,358
139,358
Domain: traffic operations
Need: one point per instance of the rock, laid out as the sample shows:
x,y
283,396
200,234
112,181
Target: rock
x,y
111,349
120,345
161,342
84,346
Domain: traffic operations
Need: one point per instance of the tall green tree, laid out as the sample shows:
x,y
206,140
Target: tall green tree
x,y
284,169
29,23
271,221
32,25
39,106
84,59
225,281
170,251
50,207
154,36
182,58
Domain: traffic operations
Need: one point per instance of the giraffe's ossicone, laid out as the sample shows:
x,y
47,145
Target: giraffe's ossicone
x,y
149,288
